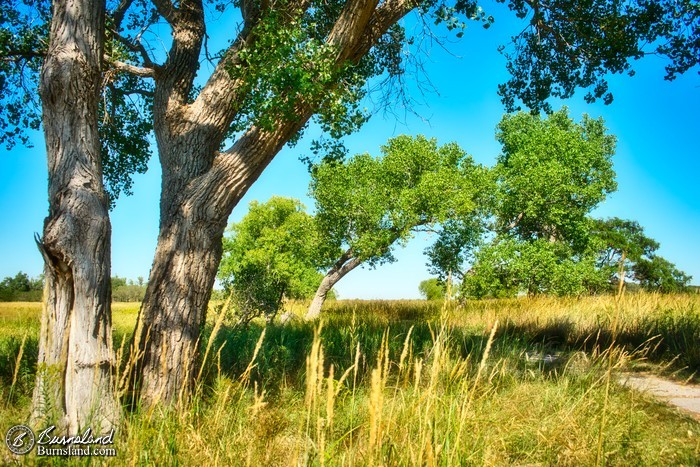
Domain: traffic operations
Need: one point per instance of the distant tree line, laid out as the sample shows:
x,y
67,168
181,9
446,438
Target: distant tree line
x,y
21,288
126,290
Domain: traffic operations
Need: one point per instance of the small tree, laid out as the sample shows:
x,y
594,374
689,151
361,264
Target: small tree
x,y
432,289
272,254
367,205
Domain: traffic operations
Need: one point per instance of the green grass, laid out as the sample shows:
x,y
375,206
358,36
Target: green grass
x,y
428,386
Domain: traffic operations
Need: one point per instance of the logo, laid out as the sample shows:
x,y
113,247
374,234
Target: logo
x,y
20,439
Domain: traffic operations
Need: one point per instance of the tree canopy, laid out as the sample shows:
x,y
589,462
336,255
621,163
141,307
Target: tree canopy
x,y
368,203
551,173
293,55
535,234
367,206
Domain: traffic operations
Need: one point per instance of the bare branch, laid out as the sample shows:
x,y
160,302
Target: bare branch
x,y
135,46
17,55
143,72
138,91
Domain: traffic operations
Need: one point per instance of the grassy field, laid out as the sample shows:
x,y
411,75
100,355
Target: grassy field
x,y
497,382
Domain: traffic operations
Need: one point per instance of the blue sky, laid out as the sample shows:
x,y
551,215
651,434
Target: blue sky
x,y
657,124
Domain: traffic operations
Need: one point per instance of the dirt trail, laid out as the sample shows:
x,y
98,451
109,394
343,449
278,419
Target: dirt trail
x,y
683,396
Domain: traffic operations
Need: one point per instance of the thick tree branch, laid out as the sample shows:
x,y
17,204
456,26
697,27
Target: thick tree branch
x,y
344,258
215,106
359,21
385,16
180,69
120,11
166,9
350,26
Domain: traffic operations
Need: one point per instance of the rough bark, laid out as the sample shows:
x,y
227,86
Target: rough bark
x,y
185,265
74,377
344,265
201,184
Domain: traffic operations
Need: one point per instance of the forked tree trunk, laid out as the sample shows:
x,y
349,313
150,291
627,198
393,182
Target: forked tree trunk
x,y
346,264
74,373
201,184
193,220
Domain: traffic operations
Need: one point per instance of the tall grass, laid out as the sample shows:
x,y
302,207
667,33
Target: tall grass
x,y
433,406
417,383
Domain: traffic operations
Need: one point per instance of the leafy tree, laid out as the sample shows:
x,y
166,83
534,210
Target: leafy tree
x,y
19,283
623,246
508,266
551,173
272,254
432,289
660,275
459,238
286,63
367,205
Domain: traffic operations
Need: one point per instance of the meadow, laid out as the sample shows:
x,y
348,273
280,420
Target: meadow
x,y
528,381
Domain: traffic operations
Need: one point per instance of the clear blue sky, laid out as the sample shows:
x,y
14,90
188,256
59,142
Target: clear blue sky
x,y
657,124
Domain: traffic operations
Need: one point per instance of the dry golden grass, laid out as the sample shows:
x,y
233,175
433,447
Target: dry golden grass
x,y
414,383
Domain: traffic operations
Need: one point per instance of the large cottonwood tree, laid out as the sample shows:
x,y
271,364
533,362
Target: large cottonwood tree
x,y
74,375
295,59
288,61
549,176
59,49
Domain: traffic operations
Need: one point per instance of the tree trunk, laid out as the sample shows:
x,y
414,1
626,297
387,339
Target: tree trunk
x,y
193,220
344,265
174,308
201,184
74,372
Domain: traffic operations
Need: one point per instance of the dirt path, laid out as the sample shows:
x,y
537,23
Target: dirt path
x,y
683,396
